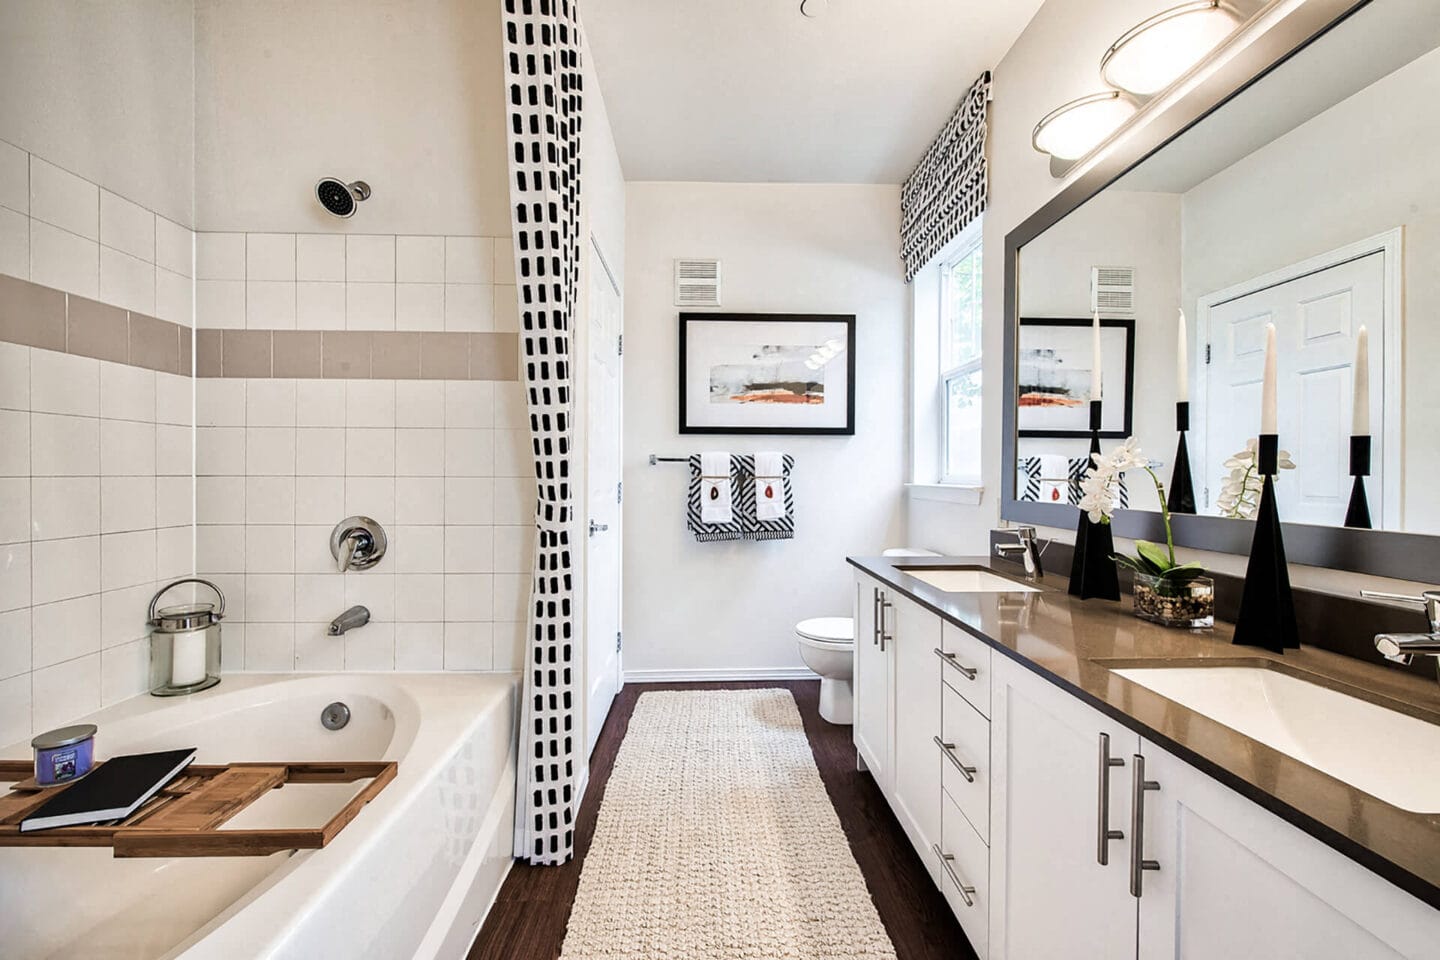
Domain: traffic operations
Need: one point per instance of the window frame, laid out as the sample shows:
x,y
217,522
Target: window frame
x,y
972,243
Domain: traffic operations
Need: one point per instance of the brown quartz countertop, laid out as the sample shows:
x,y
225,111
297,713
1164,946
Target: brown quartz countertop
x,y
1077,645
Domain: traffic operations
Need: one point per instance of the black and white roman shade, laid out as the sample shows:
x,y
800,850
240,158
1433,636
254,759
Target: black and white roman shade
x,y
543,97
949,186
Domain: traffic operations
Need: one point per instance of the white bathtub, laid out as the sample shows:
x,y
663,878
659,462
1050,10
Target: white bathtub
x,y
411,876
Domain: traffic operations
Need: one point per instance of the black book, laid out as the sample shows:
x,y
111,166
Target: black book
x,y
113,791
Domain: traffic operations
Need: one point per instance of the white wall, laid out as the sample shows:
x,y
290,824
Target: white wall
x,y
106,91
731,607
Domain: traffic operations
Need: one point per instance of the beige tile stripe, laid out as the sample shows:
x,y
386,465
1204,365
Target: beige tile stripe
x,y
36,316
357,355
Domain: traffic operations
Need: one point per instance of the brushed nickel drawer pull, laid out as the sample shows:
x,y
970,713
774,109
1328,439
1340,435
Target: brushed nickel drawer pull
x,y
884,605
1103,833
1138,863
949,750
967,893
970,672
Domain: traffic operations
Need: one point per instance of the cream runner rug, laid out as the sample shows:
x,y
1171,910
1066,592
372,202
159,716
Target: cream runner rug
x,y
716,841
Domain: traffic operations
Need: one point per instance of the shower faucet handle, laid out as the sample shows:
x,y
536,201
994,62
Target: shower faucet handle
x,y
357,543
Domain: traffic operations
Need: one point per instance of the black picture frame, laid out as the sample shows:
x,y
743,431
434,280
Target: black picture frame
x,y
1113,323
845,319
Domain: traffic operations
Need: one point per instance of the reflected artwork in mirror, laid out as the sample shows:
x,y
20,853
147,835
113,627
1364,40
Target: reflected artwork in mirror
x,y
1309,201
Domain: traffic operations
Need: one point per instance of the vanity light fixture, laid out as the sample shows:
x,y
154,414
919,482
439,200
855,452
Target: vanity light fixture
x,y
1073,129
1156,52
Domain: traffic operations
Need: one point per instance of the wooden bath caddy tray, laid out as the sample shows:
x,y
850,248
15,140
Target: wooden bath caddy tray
x,y
184,818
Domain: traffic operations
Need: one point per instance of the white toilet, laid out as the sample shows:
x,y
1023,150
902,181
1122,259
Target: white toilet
x,y
827,645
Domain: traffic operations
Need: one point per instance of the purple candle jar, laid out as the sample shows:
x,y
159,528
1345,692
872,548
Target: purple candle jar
x,y
63,755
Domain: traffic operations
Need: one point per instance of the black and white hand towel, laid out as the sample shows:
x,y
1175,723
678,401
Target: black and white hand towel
x,y
710,484
767,503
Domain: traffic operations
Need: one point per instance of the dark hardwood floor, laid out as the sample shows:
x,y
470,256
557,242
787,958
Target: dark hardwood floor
x,y
532,908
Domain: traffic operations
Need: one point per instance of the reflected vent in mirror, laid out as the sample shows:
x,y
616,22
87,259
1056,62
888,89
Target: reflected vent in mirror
x,y
1112,291
697,283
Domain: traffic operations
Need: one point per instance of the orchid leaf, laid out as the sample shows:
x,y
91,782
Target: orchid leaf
x,y
1155,555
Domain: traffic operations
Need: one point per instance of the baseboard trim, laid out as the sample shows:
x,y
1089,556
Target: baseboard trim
x,y
711,675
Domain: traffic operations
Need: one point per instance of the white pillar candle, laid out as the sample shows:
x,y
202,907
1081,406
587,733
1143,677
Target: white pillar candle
x,y
187,658
1360,418
1182,363
1096,382
1268,420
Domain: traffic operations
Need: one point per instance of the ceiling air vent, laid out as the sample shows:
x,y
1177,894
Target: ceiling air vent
x,y
697,283
1112,291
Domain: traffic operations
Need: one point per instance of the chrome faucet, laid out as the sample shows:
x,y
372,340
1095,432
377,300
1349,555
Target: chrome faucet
x,y
356,616
1029,549
1403,648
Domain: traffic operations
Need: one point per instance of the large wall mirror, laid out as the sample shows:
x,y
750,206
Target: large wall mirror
x,y
1309,199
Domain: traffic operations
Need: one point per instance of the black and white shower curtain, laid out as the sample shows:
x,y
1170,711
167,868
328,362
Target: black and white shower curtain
x,y
543,96
950,185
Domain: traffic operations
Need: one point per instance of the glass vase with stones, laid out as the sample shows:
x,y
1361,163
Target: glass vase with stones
x,y
1188,604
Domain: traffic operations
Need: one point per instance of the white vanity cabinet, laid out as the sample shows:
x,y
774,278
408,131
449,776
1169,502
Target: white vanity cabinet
x,y
916,758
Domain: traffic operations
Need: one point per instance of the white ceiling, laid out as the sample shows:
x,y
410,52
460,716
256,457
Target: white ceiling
x,y
751,91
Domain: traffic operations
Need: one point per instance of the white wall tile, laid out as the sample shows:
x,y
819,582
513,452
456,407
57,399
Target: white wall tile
x,y
419,452
510,409
127,503
220,304
374,590
127,559
219,451
127,226
420,259
469,596
420,500
64,507
15,709
126,392
419,549
419,306
63,383
220,499
270,451
269,548
468,646
270,500
127,448
512,596
174,297
270,256
64,446
124,671
370,306
469,500
419,596
270,646
320,403
370,403
371,497
269,598
174,247
468,307
14,377
509,645
312,543
64,260
15,562
220,403
174,501
514,500
514,549
15,444
174,398
65,692
14,178
319,596
65,630
316,497
14,510
122,614
220,548
14,244
419,646
64,200
369,452
469,260
220,256
174,451
174,553
319,451
504,271
506,316
469,453
469,403
61,569
319,305
127,281
319,257
514,454
469,549
370,258
14,644
270,403
419,403
270,304
232,646
316,650
371,648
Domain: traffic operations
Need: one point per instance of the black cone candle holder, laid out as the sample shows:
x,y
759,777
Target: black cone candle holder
x,y
1092,569
1358,513
1182,488
1267,606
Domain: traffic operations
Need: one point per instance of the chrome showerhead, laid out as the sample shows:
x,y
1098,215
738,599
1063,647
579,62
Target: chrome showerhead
x,y
339,198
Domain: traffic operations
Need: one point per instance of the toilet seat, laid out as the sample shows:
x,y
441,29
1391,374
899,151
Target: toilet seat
x,y
835,631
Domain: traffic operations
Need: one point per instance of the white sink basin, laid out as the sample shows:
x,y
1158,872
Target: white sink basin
x,y
1385,753
966,580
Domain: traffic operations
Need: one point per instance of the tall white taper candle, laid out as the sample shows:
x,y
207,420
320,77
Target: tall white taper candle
x,y
1096,380
1360,418
1182,363
1268,419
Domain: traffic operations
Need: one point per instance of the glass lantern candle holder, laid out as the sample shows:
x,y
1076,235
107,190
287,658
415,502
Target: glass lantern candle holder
x,y
1189,604
185,643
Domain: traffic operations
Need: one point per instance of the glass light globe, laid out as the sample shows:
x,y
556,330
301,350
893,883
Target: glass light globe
x,y
1074,129
1157,52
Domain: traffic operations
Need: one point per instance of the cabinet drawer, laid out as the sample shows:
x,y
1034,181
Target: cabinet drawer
x,y
968,734
970,867
967,666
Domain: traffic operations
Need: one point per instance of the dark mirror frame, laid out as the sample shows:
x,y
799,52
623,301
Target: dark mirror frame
x,y
1406,556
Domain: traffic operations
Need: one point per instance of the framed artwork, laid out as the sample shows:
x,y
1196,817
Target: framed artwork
x,y
1052,385
767,373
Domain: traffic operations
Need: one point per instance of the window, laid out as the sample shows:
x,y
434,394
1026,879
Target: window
x,y
961,325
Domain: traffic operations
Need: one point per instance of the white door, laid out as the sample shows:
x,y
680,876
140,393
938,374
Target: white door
x,y
1317,317
602,470
872,682
1049,894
